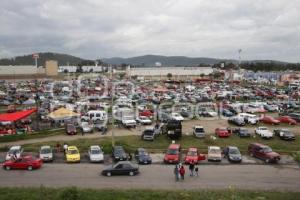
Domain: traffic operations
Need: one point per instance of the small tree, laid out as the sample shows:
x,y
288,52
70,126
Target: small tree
x,y
169,75
202,75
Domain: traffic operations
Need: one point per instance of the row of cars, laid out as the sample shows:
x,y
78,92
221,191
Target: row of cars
x,y
215,153
263,132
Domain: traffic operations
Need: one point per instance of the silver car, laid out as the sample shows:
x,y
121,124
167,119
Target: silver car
x,y
46,153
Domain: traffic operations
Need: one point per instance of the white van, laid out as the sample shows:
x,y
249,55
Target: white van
x,y
95,115
249,118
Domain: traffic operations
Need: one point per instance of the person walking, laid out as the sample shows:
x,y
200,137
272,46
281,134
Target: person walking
x,y
192,167
176,173
65,148
182,172
196,170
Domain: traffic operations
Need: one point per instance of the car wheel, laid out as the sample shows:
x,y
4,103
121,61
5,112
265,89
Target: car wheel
x,y
131,174
108,174
251,154
29,168
7,168
267,160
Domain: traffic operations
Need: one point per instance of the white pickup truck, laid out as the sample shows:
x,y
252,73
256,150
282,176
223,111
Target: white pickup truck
x,y
264,132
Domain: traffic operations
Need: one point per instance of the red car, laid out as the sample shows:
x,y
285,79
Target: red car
x,y
146,113
263,152
26,162
287,119
173,154
71,129
222,132
193,156
270,120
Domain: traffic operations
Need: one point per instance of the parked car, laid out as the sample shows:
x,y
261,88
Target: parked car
x,y
295,116
222,132
242,132
144,120
121,168
270,108
119,154
177,116
193,156
149,133
86,127
263,132
284,134
96,154
227,113
249,118
263,152
287,119
214,153
26,162
71,129
72,154
46,154
270,120
198,131
14,152
233,154
239,121
142,156
172,155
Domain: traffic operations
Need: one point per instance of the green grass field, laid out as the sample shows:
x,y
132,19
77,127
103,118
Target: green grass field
x,y
130,143
73,193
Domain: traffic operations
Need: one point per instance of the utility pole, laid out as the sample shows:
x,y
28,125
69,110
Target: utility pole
x,y
112,120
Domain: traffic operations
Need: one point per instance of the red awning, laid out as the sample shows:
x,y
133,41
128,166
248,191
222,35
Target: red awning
x,y
12,117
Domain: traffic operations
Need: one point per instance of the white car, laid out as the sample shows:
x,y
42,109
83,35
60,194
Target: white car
x,y
144,120
46,153
177,116
249,118
96,154
198,131
263,132
86,127
214,153
14,150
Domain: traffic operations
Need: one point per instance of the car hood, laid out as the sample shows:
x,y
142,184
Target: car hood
x,y
272,154
171,157
46,155
96,156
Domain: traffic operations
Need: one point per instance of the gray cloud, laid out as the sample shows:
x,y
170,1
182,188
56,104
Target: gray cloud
x,y
98,28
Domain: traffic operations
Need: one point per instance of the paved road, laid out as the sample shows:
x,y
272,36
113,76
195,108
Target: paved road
x,y
261,177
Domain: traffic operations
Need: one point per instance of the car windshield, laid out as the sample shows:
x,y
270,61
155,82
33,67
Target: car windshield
x,y
172,151
148,132
71,127
143,153
95,151
72,151
199,130
215,151
234,151
14,151
192,153
263,129
267,149
45,151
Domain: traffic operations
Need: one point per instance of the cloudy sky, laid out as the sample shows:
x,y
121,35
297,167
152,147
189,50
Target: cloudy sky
x,y
263,29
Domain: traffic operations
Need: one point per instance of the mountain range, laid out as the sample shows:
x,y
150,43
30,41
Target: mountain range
x,y
145,60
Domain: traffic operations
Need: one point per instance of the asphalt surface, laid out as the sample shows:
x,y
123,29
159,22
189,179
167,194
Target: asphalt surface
x,y
258,177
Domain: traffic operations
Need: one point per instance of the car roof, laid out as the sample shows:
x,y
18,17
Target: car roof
x,y
124,162
72,147
174,146
193,149
198,126
232,147
214,147
95,147
258,144
45,147
15,147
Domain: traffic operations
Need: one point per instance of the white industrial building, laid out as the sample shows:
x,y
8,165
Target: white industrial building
x,y
11,70
162,72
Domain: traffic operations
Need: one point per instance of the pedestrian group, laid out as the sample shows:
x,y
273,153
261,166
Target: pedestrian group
x,y
179,171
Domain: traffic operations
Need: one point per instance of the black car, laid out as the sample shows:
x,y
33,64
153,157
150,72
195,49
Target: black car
x,y
295,116
227,113
284,134
239,121
233,154
142,156
121,168
119,154
242,132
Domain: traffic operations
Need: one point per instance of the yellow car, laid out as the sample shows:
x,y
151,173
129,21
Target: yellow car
x,y
72,154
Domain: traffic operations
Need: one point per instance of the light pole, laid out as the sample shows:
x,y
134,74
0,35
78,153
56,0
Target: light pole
x,y
112,120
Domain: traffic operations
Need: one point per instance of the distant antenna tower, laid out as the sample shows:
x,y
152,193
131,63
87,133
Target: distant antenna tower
x,y
239,51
